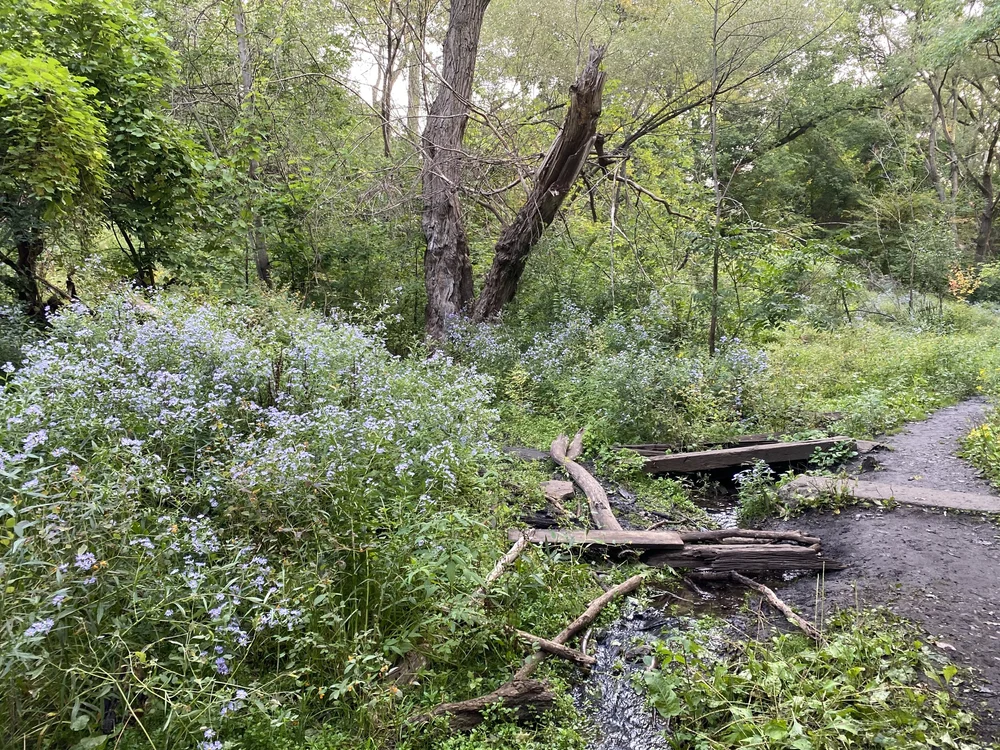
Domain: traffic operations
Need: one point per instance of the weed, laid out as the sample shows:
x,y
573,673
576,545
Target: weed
x,y
870,683
758,498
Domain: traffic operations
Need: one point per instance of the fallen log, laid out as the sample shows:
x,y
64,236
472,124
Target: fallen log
x,y
557,649
729,457
772,598
601,537
742,557
588,616
689,537
600,508
908,494
528,699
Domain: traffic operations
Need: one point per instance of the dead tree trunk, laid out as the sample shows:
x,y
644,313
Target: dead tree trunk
x,y
29,249
447,266
556,176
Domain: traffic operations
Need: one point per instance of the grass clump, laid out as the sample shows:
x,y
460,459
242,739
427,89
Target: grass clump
x,y
871,683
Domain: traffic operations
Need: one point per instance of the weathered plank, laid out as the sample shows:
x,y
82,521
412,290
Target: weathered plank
x,y
904,494
742,557
557,490
721,459
740,441
603,537
689,537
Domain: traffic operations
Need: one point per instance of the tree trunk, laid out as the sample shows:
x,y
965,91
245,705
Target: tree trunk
x,y
984,244
413,87
256,230
713,116
447,265
30,246
559,170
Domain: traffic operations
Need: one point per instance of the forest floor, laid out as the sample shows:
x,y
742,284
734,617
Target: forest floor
x,y
938,569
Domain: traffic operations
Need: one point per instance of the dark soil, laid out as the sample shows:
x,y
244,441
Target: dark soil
x,y
938,569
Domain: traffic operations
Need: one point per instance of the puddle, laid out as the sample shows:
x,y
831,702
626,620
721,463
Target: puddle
x,y
721,509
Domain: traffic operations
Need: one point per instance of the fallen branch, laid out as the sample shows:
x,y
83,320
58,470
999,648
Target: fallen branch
x,y
600,508
574,537
512,554
557,649
772,598
528,698
588,616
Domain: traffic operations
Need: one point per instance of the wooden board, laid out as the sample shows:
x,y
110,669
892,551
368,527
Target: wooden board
x,y
743,557
721,459
868,446
904,494
740,441
557,489
663,540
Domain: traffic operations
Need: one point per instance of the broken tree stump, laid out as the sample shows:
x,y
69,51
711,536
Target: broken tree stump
x,y
600,508
904,494
528,698
729,457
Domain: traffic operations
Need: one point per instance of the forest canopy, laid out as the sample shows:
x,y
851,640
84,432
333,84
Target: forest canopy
x,y
726,157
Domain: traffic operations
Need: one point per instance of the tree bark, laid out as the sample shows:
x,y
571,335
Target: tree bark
x,y
447,265
558,172
600,507
30,246
255,234
984,225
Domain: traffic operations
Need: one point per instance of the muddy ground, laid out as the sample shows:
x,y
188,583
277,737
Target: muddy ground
x,y
939,569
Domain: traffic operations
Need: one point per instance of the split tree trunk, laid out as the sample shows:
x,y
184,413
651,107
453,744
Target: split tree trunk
x,y
558,172
447,265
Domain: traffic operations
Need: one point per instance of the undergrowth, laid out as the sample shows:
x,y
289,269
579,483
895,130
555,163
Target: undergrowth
x,y
871,683
226,523
631,381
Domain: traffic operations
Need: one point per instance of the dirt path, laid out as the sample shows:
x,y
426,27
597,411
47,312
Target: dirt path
x,y
941,570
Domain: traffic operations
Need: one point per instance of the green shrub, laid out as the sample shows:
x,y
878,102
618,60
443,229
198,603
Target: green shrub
x,y
870,683
223,516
